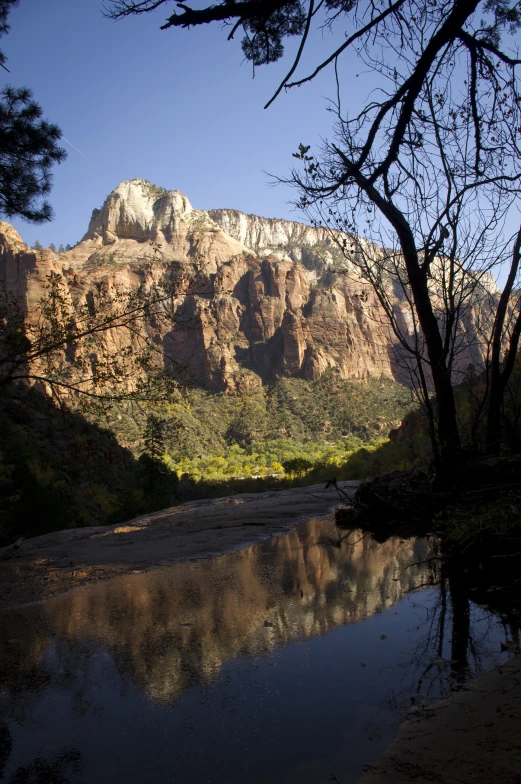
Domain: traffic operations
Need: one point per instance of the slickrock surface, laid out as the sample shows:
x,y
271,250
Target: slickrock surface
x,y
473,737
54,563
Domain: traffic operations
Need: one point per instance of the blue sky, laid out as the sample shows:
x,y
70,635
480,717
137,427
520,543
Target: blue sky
x,y
175,107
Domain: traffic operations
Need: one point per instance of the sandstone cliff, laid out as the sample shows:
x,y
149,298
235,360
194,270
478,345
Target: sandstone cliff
x,y
281,238
254,298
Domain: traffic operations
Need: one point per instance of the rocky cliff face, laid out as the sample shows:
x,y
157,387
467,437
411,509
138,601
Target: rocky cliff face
x,y
280,238
255,298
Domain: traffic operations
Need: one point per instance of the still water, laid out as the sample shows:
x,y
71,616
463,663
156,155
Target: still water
x,y
291,661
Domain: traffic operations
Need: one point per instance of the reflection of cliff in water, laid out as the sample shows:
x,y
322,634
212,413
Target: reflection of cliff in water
x,y
170,629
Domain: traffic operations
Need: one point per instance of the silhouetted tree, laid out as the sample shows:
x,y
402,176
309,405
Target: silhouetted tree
x,y
506,329
266,23
28,148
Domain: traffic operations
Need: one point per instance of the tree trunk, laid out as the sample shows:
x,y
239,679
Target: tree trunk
x,y
493,437
498,383
448,434
498,378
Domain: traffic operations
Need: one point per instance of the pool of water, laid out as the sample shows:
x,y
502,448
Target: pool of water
x,y
293,660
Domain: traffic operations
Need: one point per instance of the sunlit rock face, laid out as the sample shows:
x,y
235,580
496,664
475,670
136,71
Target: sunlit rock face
x,y
135,210
254,298
281,238
141,222
171,629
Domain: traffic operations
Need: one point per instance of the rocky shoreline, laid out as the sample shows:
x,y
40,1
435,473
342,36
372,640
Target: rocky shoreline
x,y
48,565
472,736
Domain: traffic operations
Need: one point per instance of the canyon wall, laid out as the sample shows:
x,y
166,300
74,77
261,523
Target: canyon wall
x,y
254,298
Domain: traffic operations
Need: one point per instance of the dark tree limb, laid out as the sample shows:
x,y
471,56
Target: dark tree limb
x,y
223,12
347,43
498,378
297,58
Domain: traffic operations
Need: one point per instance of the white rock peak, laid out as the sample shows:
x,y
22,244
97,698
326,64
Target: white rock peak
x,y
138,210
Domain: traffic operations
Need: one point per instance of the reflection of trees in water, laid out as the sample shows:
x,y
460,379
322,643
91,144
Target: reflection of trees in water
x,y
6,744
455,644
461,638
169,630
58,770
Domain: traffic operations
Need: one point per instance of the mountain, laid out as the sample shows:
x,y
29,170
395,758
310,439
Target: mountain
x,y
255,298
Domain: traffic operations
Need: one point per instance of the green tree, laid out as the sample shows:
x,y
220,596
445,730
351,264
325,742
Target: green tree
x,y
52,247
297,465
158,482
37,245
154,437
